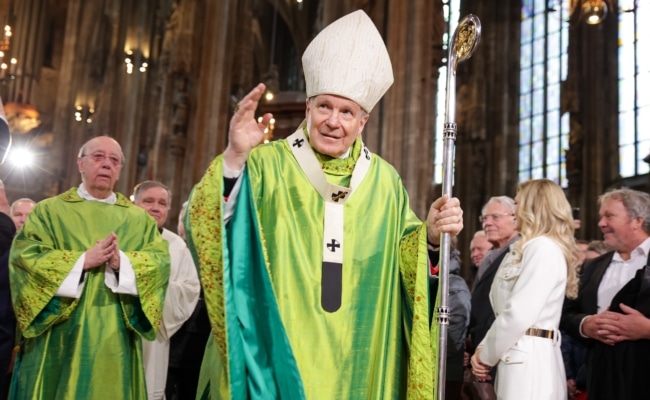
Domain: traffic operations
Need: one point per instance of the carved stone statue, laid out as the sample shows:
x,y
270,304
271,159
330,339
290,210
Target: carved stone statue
x,y
180,106
170,38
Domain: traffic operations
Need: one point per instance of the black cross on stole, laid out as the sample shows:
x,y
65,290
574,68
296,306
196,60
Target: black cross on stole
x,y
332,281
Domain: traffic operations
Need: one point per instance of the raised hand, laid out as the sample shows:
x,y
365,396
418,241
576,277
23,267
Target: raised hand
x,y
245,132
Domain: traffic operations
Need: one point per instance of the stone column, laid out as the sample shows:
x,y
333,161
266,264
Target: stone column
x,y
69,139
27,47
208,131
404,124
488,113
594,123
175,84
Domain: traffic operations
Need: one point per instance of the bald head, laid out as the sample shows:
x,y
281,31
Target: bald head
x,y
100,162
98,141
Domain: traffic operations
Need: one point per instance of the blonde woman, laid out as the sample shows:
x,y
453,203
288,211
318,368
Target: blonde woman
x,y
527,296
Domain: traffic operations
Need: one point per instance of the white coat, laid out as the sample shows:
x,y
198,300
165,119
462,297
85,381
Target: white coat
x,y
180,299
528,294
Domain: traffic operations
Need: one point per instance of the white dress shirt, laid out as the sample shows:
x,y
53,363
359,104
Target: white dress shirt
x,y
621,272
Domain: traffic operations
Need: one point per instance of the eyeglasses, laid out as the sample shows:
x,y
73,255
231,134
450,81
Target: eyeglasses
x,y
99,158
495,217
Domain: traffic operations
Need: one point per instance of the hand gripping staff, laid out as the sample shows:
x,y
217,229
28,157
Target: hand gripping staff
x,y
463,43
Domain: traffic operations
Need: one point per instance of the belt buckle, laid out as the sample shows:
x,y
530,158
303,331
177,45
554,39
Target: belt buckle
x,y
543,333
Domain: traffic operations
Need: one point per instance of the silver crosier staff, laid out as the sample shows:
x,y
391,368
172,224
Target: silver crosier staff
x,y
463,43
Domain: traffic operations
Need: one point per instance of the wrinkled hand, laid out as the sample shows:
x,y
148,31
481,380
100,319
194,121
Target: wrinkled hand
x,y
245,132
445,216
615,327
593,327
114,260
103,251
480,370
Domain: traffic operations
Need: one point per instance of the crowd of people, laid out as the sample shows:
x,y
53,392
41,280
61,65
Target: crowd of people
x,y
578,332
281,282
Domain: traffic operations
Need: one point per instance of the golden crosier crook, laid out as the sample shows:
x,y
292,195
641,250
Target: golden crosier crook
x,y
463,43
467,41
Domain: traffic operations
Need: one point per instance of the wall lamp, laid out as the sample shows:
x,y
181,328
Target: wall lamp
x,y
133,59
83,113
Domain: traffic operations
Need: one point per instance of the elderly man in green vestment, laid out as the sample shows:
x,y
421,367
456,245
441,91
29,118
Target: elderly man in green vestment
x,y
313,265
88,275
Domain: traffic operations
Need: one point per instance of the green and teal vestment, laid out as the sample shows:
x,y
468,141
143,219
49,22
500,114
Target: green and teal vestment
x,y
261,276
86,348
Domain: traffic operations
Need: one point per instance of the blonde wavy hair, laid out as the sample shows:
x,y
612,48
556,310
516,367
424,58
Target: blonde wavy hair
x,y
543,210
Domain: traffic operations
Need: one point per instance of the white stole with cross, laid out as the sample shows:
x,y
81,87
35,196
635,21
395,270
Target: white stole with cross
x,y
335,198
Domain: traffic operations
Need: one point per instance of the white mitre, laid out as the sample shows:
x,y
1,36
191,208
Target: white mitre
x,y
349,58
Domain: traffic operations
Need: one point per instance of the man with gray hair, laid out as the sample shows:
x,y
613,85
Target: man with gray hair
x,y
314,267
478,248
88,275
611,314
19,211
498,220
182,292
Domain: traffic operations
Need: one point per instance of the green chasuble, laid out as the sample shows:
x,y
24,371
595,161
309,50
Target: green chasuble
x,y
86,348
377,345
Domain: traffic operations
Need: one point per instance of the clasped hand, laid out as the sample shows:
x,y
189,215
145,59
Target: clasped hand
x,y
612,327
104,251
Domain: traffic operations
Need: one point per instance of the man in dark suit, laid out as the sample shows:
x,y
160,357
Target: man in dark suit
x,y
7,231
611,312
498,222
7,319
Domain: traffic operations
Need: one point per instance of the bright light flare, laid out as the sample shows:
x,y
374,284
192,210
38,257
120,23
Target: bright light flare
x,y
21,158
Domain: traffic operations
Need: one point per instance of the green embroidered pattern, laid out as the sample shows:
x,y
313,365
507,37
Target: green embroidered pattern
x,y
205,239
415,277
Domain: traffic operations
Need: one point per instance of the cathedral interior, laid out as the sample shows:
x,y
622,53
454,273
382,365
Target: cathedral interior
x,y
549,92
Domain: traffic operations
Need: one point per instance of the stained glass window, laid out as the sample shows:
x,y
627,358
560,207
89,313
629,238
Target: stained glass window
x,y
543,132
451,10
633,83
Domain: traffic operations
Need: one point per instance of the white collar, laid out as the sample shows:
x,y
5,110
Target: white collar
x,y
346,154
83,193
642,250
